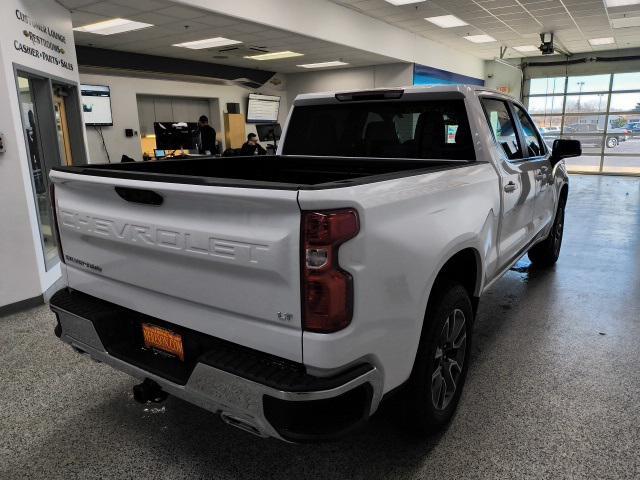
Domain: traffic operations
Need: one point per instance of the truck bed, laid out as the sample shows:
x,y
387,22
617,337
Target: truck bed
x,y
270,171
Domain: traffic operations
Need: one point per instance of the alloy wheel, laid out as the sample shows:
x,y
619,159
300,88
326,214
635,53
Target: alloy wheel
x,y
557,231
449,359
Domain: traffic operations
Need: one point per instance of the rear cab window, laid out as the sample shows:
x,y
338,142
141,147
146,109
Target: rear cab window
x,y
426,129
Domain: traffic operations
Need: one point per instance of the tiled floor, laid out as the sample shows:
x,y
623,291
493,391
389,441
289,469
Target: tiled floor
x,y
553,390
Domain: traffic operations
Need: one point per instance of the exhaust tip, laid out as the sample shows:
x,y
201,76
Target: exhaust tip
x,y
241,423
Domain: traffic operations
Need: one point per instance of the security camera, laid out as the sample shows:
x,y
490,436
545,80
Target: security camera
x,y
547,47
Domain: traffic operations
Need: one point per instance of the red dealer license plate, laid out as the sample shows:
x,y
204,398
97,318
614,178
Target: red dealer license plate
x,y
163,339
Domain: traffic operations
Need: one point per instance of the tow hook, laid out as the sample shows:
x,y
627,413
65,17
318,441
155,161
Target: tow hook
x,y
149,391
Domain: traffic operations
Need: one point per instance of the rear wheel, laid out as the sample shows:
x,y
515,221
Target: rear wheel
x,y
546,253
440,368
612,142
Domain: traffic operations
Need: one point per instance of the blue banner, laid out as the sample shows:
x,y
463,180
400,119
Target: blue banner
x,y
423,75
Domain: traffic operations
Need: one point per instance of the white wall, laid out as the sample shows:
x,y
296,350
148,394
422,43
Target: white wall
x,y
124,90
499,75
379,76
22,269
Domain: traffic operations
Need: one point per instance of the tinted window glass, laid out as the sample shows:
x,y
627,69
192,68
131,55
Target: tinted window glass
x,y
502,126
531,137
434,129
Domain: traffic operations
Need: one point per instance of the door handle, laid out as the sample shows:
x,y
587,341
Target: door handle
x,y
510,187
139,195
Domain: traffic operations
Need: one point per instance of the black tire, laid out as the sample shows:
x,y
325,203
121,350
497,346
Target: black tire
x,y
430,403
546,253
612,142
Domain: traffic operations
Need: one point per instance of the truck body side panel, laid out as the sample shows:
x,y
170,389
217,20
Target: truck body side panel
x,y
409,229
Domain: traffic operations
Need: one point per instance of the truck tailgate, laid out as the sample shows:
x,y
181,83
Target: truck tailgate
x,y
220,260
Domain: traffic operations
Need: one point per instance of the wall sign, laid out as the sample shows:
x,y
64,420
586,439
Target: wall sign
x,y
424,75
41,41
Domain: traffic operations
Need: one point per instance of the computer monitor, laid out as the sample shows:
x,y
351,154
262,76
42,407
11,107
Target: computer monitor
x,y
269,132
176,135
159,153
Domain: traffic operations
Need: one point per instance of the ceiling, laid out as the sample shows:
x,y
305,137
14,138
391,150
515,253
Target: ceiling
x,y
511,22
175,23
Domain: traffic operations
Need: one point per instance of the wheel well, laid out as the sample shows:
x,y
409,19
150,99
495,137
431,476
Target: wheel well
x,y
464,268
564,193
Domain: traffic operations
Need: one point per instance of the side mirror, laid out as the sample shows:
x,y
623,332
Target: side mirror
x,y
565,148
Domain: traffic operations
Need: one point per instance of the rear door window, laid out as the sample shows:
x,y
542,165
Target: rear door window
x,y
431,129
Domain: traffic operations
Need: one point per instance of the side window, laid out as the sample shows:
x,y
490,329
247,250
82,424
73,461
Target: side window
x,y
502,126
405,125
531,135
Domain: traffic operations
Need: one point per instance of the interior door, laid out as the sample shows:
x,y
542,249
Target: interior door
x,y
538,157
518,188
62,129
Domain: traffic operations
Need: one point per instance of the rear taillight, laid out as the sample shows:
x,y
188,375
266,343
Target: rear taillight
x,y
56,230
327,290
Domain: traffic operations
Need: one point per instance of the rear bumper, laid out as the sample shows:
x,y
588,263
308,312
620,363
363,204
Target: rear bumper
x,y
259,393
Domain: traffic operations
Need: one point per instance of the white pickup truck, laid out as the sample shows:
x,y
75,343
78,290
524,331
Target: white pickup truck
x,y
291,293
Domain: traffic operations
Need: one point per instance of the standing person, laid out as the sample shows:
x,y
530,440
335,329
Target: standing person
x,y
207,136
252,147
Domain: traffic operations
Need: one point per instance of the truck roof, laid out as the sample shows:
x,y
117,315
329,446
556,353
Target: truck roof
x,y
460,89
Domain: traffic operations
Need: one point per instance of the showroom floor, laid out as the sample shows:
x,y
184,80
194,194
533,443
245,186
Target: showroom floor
x,y
553,390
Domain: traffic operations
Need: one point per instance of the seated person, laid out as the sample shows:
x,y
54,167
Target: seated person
x,y
252,147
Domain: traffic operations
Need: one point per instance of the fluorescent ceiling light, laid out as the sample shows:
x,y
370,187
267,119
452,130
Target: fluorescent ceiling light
x,y
480,38
207,43
602,41
526,48
113,26
335,63
621,3
447,21
403,2
275,55
625,22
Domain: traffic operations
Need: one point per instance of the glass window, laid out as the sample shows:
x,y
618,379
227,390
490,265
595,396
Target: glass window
x,y
584,123
532,139
434,129
588,115
545,105
546,86
549,127
38,169
591,142
625,102
626,81
584,163
502,126
587,103
589,83
622,164
629,121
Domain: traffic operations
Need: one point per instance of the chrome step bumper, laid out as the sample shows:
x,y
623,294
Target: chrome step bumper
x,y
239,401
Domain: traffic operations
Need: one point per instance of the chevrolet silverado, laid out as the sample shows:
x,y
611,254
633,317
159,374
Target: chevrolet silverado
x,y
291,293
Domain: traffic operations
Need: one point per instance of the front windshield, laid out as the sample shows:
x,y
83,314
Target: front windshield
x,y
433,129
